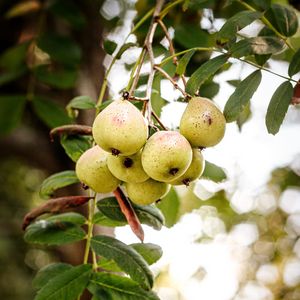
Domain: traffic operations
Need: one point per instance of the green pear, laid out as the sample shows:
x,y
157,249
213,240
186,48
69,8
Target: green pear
x,y
194,171
166,155
146,192
202,123
127,168
120,128
92,170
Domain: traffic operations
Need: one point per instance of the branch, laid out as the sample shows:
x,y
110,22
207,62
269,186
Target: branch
x,y
71,130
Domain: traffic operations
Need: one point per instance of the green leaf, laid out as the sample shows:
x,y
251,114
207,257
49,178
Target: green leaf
x,y
75,145
53,233
109,46
108,265
124,48
48,273
203,72
103,220
209,89
61,78
213,172
156,100
49,112
14,57
68,217
189,36
57,181
11,110
150,252
60,48
244,116
113,287
241,96
105,104
69,11
236,23
126,258
260,45
278,107
283,19
149,215
12,75
82,102
66,286
169,206
183,62
294,66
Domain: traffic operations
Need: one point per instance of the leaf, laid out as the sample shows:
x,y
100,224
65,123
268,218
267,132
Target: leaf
x,y
103,220
260,45
53,233
14,57
66,286
69,11
109,46
244,116
283,19
68,217
203,72
124,48
56,181
11,110
213,172
150,252
294,66
209,89
23,8
126,258
105,104
278,107
75,145
241,96
236,23
113,287
149,215
157,101
81,102
56,45
183,62
169,206
49,112
48,273
12,75
61,78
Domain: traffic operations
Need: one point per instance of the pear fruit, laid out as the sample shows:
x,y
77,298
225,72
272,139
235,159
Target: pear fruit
x,y
120,128
91,169
166,155
127,168
202,123
146,192
194,171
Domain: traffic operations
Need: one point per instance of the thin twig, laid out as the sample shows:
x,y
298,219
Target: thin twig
x,y
156,117
175,84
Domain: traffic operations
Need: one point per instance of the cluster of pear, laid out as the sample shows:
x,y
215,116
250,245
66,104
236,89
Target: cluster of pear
x,y
148,165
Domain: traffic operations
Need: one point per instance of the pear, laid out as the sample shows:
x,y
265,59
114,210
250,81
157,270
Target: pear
x,y
127,168
120,128
202,123
166,155
92,170
194,171
146,192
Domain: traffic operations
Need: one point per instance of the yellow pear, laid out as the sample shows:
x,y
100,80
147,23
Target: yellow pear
x,y
146,192
127,168
194,171
120,128
92,170
166,155
202,123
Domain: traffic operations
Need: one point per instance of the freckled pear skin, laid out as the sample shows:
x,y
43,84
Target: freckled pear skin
x,y
166,155
127,168
120,128
146,192
194,171
202,123
92,170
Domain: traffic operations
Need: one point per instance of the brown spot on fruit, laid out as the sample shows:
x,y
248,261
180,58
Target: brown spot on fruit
x,y
115,152
128,162
173,171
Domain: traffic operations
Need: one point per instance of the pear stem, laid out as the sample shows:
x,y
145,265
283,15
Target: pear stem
x,y
155,116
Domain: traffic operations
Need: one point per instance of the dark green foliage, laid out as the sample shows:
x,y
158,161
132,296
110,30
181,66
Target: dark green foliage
x,y
213,172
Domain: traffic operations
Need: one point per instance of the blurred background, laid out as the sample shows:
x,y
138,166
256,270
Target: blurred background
x,y
231,235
